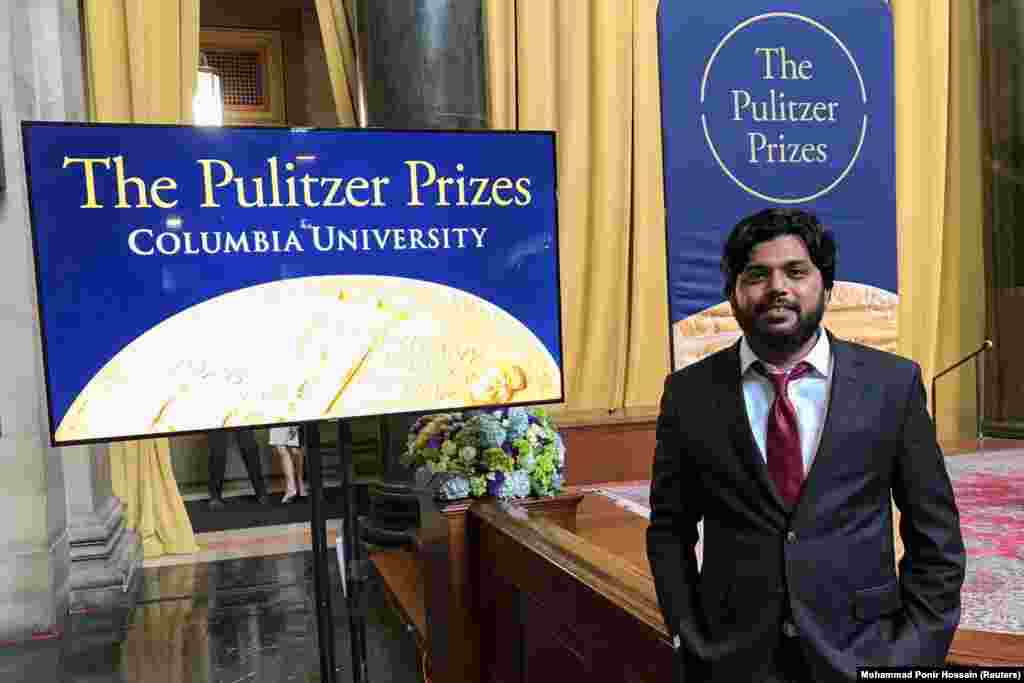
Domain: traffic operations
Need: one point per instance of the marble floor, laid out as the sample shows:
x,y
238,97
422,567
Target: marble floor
x,y
243,619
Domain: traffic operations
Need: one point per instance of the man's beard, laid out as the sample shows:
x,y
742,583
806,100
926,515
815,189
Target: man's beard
x,y
782,342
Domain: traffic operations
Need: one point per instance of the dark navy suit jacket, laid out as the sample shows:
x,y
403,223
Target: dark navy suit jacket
x,y
825,565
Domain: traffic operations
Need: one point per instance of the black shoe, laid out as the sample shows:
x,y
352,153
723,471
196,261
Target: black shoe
x,y
215,503
263,499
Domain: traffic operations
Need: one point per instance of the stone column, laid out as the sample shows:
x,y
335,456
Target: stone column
x,y
105,555
423,63
41,78
423,66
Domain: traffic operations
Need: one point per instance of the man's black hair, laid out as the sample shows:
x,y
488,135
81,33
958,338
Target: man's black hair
x,y
775,222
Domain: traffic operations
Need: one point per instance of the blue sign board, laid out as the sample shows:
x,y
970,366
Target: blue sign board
x,y
196,278
777,103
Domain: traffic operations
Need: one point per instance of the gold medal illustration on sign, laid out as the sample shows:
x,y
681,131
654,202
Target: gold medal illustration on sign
x,y
314,348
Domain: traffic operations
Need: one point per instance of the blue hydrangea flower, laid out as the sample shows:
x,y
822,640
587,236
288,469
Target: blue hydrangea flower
x,y
518,422
483,431
492,434
516,485
506,453
455,488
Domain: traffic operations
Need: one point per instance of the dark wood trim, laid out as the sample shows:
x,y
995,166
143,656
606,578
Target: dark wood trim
x,y
574,609
1005,429
603,419
534,567
602,446
993,391
607,574
979,648
400,572
985,444
431,587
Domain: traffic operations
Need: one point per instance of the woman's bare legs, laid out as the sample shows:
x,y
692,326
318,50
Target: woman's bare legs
x,y
300,470
284,455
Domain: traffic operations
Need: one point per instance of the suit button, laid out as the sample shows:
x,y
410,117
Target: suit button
x,y
789,629
791,537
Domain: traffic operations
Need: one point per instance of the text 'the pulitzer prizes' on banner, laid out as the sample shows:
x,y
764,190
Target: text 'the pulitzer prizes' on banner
x,y
785,103
202,278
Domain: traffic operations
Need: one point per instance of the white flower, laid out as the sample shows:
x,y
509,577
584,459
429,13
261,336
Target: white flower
x,y
534,433
516,485
467,454
527,462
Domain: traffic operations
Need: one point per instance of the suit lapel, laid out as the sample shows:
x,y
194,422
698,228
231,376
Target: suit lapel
x,y
733,409
844,400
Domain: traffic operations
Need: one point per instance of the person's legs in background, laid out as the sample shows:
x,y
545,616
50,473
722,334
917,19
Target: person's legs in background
x,y
218,451
285,456
251,457
300,469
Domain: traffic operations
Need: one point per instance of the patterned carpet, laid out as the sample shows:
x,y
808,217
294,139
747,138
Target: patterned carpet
x,y
990,494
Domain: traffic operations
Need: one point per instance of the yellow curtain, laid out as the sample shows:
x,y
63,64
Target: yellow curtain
x,y
649,331
169,640
141,59
938,126
590,72
336,29
573,72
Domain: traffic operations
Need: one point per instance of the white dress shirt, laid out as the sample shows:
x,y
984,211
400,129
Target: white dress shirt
x,y
808,394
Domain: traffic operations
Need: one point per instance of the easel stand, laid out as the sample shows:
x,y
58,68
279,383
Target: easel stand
x,y
353,574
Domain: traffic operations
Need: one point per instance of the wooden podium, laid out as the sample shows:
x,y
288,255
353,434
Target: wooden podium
x,y
432,586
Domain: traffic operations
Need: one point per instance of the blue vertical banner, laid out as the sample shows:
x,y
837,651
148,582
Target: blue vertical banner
x,y
785,103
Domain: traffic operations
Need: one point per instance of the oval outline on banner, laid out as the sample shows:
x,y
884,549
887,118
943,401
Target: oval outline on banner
x,y
864,98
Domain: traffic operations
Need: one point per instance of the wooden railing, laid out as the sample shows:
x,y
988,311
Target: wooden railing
x,y
604,446
549,605
431,586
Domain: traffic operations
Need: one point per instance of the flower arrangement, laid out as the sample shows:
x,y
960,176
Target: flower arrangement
x,y
506,452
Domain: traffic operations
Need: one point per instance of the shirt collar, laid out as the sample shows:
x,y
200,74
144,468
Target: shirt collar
x,y
819,356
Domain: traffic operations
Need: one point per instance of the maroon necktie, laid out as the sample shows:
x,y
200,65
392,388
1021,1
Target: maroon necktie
x,y
782,438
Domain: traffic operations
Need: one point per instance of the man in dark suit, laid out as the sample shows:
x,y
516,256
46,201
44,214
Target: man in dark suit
x,y
788,446
219,442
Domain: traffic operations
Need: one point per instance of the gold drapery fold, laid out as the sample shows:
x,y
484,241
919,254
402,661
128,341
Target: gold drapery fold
x,y
568,66
339,48
141,58
590,72
922,125
940,212
962,298
141,476
648,351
